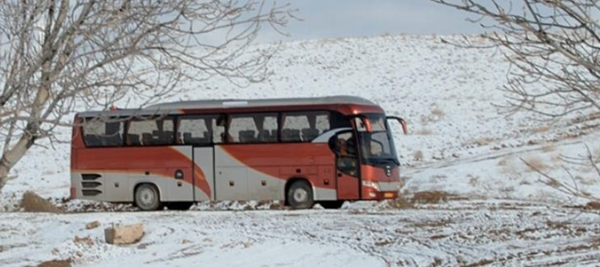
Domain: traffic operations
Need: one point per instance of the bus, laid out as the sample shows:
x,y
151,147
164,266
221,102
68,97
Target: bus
x,y
301,151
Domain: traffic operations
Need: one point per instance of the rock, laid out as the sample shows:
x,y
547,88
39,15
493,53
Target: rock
x,y
92,225
56,263
32,202
124,234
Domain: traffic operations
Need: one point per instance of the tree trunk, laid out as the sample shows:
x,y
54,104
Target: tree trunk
x,y
12,156
3,177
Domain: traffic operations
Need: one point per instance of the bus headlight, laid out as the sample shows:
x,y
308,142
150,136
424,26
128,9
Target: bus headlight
x,y
374,185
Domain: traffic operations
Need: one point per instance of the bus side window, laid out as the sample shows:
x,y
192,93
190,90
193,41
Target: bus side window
x,y
103,132
200,129
151,131
192,130
304,126
253,128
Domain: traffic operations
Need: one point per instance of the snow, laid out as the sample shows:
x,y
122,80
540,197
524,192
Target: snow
x,y
460,143
457,233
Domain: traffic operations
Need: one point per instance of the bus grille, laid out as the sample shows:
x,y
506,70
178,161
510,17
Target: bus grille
x,y
90,185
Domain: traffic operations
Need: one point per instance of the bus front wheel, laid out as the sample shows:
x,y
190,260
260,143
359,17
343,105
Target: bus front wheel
x,y
300,195
147,197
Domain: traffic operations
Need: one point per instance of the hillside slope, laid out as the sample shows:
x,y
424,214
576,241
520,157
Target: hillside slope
x,y
459,141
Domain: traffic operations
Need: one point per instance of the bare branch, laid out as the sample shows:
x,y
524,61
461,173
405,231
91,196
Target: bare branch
x,y
62,56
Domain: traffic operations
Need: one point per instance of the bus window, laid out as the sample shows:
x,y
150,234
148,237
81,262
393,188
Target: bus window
x,y
150,131
200,130
304,126
99,132
194,130
253,128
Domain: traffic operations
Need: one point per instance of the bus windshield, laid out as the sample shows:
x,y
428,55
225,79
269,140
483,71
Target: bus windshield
x,y
377,146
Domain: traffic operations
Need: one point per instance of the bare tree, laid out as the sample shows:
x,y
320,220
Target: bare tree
x,y
570,187
60,55
553,47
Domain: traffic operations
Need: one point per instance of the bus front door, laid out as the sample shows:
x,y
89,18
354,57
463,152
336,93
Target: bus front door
x,y
347,166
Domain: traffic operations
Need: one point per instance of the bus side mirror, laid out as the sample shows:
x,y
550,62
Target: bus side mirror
x,y
401,121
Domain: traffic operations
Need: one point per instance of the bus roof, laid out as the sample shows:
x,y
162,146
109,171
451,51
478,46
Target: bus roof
x,y
224,103
179,106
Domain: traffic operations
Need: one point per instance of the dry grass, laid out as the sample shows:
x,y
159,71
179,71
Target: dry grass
x,y
549,148
430,197
435,115
32,202
401,203
525,182
541,129
507,166
593,205
56,263
535,163
438,112
84,240
418,156
423,131
503,162
484,141
596,152
473,180
507,189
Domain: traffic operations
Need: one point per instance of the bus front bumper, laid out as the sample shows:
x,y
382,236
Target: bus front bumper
x,y
372,190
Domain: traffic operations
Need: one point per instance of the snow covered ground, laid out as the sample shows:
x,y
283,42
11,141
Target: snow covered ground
x,y
459,233
460,143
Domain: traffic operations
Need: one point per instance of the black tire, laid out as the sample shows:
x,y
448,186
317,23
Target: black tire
x,y
147,197
332,204
179,205
300,195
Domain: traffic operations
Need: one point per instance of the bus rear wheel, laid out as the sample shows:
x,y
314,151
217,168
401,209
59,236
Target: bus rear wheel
x,y
300,195
179,205
147,197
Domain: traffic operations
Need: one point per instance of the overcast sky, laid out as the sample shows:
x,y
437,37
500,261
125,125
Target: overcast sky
x,y
345,18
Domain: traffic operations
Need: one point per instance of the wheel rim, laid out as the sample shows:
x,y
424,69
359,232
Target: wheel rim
x,y
300,195
146,198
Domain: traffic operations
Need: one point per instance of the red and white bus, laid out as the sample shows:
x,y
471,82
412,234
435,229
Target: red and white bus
x,y
302,151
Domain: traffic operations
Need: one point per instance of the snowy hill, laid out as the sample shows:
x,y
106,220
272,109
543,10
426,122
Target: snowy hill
x,y
459,142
